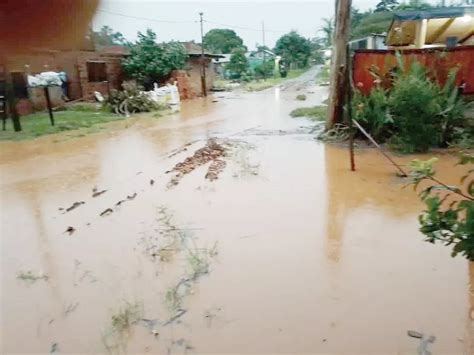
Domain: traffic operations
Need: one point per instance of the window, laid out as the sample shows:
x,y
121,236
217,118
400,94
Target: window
x,y
19,85
96,71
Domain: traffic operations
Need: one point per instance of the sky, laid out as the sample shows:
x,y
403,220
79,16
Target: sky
x,y
179,20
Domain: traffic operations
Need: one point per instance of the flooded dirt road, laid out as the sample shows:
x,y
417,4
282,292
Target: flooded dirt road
x,y
286,252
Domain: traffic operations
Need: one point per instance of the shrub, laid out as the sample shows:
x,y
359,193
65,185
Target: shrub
x,y
413,104
416,113
372,112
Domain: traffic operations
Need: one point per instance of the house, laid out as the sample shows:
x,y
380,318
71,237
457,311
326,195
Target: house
x,y
374,41
220,63
257,57
87,68
189,79
438,27
440,39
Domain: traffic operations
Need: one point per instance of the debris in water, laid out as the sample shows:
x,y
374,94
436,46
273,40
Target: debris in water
x,y
415,334
106,212
98,193
179,314
74,206
70,308
70,230
212,151
54,348
215,169
425,341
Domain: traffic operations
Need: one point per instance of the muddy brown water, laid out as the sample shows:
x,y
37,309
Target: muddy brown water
x,y
310,257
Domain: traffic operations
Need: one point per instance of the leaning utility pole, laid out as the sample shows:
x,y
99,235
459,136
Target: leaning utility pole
x,y
339,65
203,61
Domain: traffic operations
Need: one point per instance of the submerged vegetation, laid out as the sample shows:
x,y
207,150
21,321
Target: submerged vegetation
x,y
316,113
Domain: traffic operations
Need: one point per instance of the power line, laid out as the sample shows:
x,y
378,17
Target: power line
x,y
243,28
143,18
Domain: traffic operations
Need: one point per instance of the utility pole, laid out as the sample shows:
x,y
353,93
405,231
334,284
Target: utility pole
x,y
340,64
264,54
203,61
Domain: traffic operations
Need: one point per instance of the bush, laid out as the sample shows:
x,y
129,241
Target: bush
x,y
415,114
372,112
414,105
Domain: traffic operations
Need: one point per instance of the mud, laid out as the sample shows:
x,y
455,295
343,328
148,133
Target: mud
x,y
310,257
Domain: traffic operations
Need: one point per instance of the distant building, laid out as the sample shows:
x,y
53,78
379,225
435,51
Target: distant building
x,y
220,63
189,79
374,41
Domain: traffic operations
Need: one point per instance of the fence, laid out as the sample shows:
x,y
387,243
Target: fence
x,y
439,61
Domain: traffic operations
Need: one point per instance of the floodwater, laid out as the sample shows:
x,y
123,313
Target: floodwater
x,y
303,256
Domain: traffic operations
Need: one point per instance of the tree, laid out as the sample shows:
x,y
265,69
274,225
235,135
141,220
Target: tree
x,y
238,62
449,214
149,62
222,41
328,30
386,5
107,36
294,49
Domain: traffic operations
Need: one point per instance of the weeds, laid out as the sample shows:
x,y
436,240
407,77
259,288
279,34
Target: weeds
x,y
115,337
31,277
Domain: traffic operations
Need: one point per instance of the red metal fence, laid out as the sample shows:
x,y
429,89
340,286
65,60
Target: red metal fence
x,y
439,61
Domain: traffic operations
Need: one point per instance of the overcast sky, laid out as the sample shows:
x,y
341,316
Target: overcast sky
x,y
181,18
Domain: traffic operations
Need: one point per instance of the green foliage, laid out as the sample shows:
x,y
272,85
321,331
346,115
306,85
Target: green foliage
x,y
328,30
265,69
415,114
106,36
386,5
301,97
294,49
149,62
415,111
221,41
372,112
238,62
449,214
371,22
131,100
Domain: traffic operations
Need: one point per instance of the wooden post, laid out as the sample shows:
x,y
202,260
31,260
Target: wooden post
x,y
10,98
48,103
339,85
349,107
203,61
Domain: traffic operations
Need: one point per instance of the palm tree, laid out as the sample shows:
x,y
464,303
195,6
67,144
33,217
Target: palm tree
x,y
328,29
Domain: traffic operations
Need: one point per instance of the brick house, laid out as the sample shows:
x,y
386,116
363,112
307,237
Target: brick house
x,y
88,69
189,79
